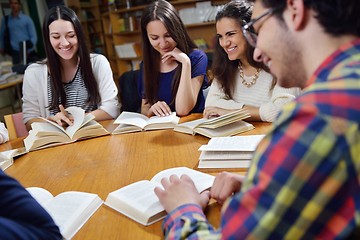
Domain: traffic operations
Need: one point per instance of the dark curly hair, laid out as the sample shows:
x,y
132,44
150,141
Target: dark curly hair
x,y
225,70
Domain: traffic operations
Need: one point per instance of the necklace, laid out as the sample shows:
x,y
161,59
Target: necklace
x,y
253,79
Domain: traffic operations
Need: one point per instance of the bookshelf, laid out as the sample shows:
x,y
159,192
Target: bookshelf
x,y
121,26
88,12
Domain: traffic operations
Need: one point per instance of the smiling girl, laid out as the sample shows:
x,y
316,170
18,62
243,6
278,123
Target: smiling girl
x,y
173,70
69,76
241,82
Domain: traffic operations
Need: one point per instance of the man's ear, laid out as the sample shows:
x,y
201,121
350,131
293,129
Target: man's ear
x,y
296,13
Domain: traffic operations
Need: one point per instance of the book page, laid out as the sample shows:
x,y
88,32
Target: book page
x,y
6,158
235,143
90,129
201,180
137,201
126,128
225,119
70,210
8,154
219,155
224,163
172,118
79,115
42,129
132,118
32,142
188,127
224,131
41,195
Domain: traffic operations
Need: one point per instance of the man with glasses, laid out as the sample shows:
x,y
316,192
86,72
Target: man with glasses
x,y
304,179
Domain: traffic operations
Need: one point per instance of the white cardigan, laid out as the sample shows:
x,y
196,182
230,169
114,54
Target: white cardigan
x,y
270,101
4,135
35,89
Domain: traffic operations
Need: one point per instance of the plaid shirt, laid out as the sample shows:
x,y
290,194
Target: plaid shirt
x,y
304,182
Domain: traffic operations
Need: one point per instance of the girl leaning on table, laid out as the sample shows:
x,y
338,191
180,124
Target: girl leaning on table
x,y
173,70
69,76
239,81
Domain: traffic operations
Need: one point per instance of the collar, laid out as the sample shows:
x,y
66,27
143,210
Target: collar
x,y
336,57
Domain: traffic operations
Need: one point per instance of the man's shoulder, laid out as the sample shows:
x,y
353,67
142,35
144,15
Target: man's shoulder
x,y
24,17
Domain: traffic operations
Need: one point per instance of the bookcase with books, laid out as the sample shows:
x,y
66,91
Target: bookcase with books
x,y
122,29
88,12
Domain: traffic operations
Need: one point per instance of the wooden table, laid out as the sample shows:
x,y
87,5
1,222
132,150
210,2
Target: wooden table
x,y
102,165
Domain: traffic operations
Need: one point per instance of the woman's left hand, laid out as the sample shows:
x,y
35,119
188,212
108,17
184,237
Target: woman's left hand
x,y
62,118
211,112
175,54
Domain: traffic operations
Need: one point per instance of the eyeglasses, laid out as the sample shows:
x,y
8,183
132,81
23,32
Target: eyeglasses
x,y
248,29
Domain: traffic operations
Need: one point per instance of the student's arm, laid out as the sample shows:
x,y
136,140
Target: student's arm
x,y
35,98
160,108
280,96
217,103
21,217
189,86
296,186
109,107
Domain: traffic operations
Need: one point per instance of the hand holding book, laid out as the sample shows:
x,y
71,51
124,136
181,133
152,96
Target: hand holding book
x,y
62,118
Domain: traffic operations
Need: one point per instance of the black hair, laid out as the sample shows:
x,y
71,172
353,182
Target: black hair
x,y
166,13
337,17
53,61
225,70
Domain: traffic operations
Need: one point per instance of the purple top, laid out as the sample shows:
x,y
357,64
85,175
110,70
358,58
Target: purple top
x,y
199,63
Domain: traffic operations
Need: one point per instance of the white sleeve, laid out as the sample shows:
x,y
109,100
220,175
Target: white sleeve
x,y
107,87
217,98
280,96
4,135
35,92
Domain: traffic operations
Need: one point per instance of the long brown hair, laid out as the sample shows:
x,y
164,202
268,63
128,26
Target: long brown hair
x,y
225,70
166,13
53,61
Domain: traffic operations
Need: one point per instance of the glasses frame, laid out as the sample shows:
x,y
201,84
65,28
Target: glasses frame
x,y
247,29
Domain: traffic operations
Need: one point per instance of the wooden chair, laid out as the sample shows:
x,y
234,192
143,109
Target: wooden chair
x,y
15,125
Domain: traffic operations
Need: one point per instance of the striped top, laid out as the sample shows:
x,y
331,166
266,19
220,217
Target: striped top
x,y
76,94
304,179
269,100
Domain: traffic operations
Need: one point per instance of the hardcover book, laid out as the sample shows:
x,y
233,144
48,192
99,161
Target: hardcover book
x,y
135,122
47,133
222,126
139,202
70,210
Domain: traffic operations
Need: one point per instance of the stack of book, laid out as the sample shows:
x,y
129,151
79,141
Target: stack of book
x,y
223,126
229,152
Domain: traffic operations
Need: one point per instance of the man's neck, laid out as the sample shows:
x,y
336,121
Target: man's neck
x,y
15,13
322,48
317,45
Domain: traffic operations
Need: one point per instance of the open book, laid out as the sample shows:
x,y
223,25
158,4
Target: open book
x,y
135,122
229,152
7,157
70,210
139,202
48,133
222,126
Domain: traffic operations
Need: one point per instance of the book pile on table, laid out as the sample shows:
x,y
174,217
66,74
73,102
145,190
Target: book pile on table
x,y
229,152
